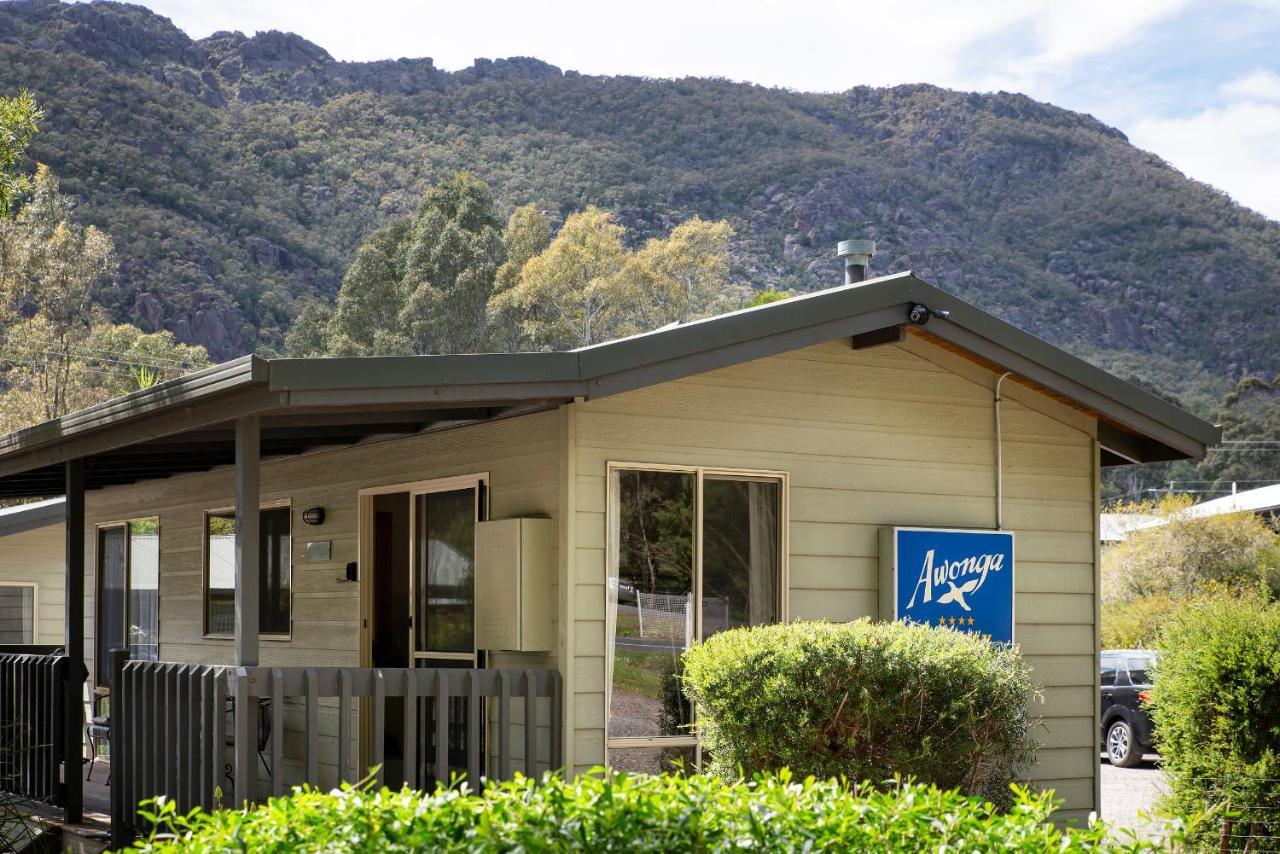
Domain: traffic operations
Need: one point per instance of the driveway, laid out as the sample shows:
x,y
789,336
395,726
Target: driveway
x,y
1127,792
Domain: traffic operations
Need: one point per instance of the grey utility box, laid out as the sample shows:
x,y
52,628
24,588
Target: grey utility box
x,y
515,585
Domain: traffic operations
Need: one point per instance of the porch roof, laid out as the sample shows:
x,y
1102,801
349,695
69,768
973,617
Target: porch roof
x,y
187,424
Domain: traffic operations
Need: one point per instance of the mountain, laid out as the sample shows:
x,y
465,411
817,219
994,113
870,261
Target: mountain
x,y
237,174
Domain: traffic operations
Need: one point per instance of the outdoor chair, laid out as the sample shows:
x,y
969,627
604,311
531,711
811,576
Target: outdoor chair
x,y
98,728
264,733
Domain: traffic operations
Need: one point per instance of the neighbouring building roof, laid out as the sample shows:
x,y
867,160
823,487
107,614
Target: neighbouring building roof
x,y
1116,527
1265,499
187,424
27,517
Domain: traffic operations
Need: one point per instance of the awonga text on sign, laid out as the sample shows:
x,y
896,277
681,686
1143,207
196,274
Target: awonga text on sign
x,y
957,579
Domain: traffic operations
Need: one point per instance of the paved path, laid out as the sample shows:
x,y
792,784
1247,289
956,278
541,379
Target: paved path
x,y
1126,792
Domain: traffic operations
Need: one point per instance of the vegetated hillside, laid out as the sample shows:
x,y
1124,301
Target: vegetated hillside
x,y
237,175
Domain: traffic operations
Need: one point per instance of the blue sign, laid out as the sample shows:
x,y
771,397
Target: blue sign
x,y
957,579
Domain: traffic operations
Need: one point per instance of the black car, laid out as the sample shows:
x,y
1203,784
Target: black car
x,y
1126,685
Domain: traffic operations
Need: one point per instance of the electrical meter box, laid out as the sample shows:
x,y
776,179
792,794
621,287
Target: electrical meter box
x,y
515,584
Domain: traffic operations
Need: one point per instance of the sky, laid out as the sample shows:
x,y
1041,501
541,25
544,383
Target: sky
x,y
1197,82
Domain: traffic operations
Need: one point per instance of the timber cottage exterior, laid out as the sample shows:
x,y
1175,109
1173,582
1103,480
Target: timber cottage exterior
x,y
487,563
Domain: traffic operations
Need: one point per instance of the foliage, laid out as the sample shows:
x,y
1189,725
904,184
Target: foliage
x,y
863,700
766,297
661,813
572,294
1135,623
422,286
585,287
56,351
1217,715
238,175
527,235
19,121
1190,554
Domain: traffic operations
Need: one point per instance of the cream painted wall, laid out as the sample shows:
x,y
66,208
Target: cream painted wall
x,y
39,556
521,456
895,435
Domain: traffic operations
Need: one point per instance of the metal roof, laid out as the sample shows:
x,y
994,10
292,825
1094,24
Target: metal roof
x,y
28,517
186,424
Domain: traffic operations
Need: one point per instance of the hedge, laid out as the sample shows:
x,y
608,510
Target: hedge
x,y
624,813
1217,717
861,701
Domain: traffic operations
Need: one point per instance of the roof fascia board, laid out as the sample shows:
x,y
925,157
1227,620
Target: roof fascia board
x,y
498,394
742,351
1031,350
961,336
226,377
135,430
474,372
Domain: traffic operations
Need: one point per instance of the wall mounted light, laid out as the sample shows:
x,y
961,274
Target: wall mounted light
x,y
313,515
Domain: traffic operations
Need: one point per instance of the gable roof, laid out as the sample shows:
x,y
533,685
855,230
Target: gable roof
x,y
185,424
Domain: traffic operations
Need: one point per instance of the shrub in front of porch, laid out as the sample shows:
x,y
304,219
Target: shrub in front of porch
x,y
637,813
863,701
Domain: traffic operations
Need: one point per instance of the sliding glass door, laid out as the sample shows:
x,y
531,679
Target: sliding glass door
x,y
692,552
128,606
443,605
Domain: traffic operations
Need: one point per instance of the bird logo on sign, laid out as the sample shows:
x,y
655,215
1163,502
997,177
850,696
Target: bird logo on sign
x,y
957,594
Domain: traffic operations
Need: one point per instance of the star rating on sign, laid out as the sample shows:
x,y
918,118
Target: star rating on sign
x,y
955,622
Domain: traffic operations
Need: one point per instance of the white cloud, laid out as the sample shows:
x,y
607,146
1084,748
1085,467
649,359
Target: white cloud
x,y
1232,147
1258,86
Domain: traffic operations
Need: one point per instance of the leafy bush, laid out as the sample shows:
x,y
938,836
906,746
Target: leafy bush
x,y
863,701
1217,713
1189,555
663,813
1134,624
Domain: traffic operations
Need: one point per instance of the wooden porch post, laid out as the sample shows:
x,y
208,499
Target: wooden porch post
x,y
248,593
73,706
248,443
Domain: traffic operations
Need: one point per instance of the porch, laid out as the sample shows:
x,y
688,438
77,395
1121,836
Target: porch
x,y
175,730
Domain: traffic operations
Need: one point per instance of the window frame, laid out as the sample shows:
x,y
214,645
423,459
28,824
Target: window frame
x,y
274,504
612,521
35,606
100,679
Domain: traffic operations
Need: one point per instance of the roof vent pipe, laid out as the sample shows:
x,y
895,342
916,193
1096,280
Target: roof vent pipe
x,y
857,255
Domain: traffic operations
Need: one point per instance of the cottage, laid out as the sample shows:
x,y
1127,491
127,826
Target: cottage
x,y
475,563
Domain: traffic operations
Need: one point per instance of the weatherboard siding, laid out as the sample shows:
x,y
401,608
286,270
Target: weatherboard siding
x,y
520,454
37,557
895,435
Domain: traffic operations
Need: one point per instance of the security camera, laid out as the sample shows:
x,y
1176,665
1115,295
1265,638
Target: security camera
x,y
920,314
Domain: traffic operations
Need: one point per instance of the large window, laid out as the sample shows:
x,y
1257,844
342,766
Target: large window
x,y
17,613
273,573
128,612
691,552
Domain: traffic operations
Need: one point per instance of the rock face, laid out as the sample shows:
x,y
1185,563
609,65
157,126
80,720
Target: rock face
x,y
237,174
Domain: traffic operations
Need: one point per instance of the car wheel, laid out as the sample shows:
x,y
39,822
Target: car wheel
x,y
1122,747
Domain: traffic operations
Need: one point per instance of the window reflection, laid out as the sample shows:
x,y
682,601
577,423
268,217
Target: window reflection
x,y
654,619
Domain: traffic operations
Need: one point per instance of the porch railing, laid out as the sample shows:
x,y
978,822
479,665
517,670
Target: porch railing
x,y
33,684
178,731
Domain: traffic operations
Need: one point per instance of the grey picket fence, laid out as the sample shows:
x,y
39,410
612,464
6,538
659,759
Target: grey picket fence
x,y
176,730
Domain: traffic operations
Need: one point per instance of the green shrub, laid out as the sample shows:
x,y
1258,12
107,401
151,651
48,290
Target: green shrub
x,y
863,701
635,814
1217,713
